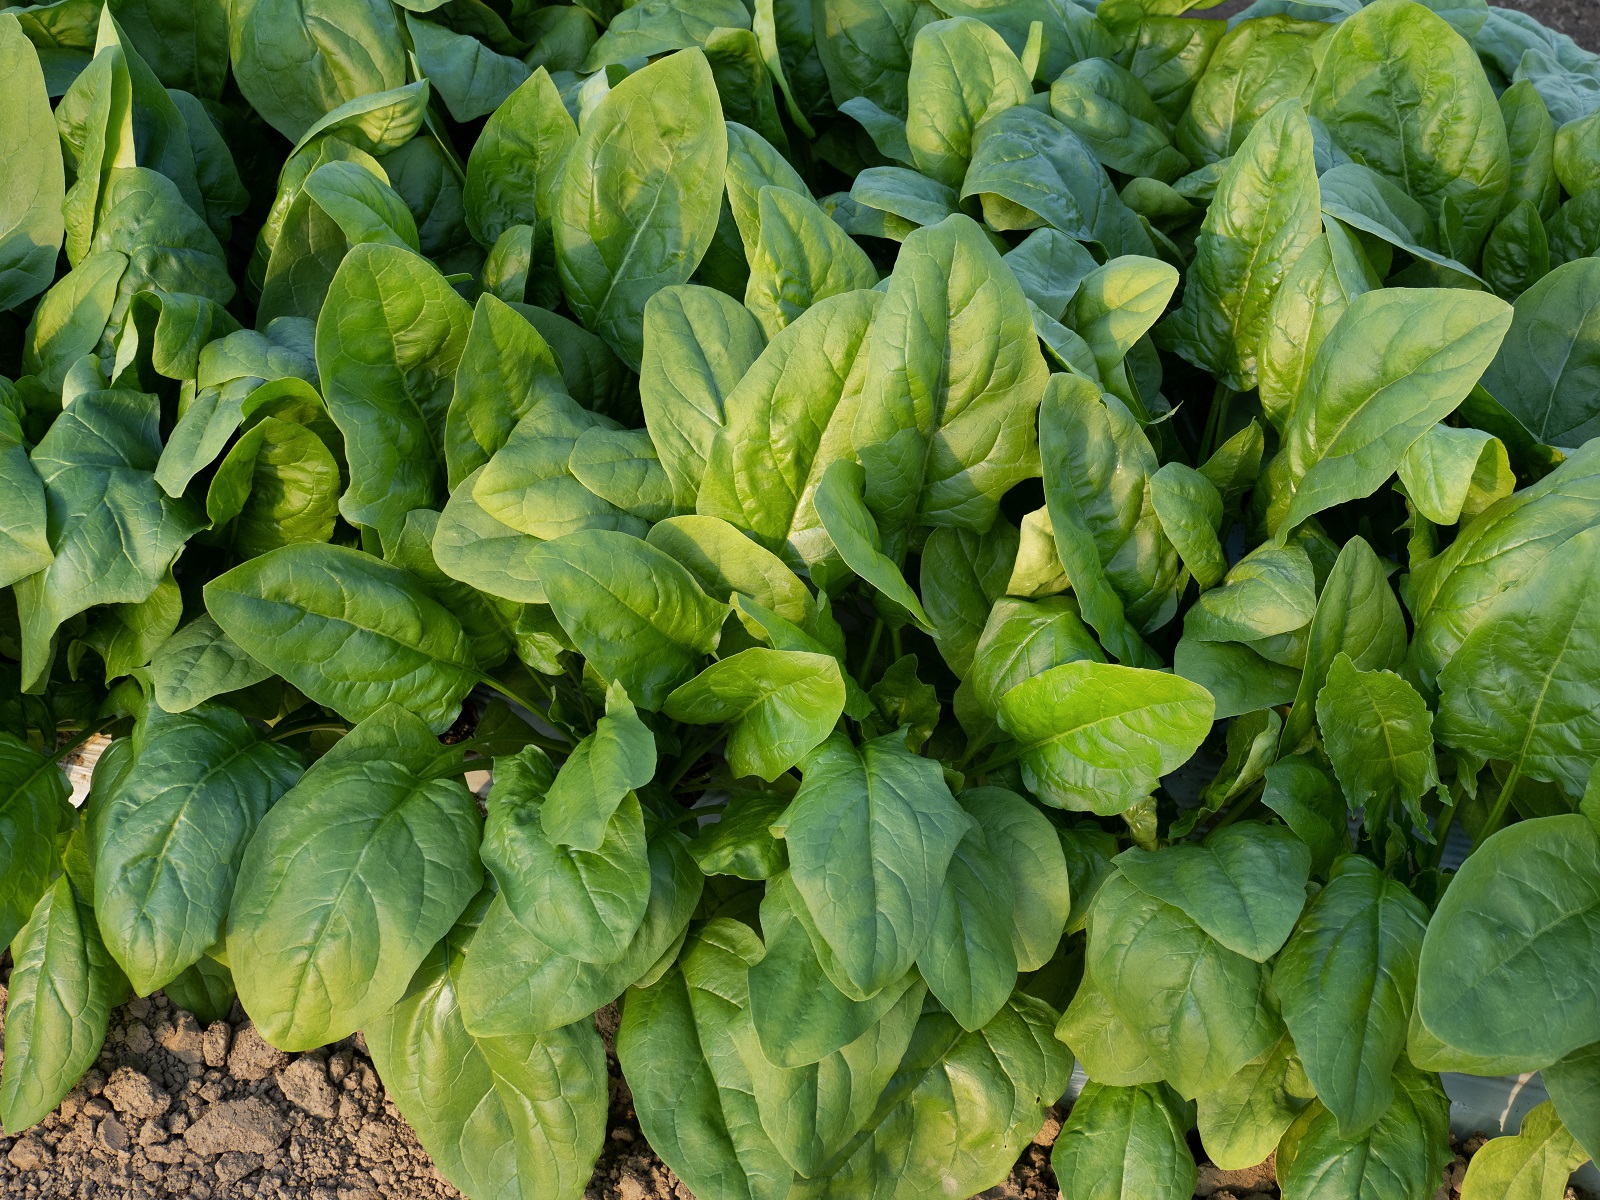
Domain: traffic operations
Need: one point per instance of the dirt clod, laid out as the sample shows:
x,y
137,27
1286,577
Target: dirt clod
x,y
135,1095
250,1126
304,1084
252,1058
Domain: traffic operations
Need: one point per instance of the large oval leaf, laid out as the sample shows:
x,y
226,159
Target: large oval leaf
x,y
63,987
1507,965
348,630
1098,737
517,1118
170,837
1346,982
640,195
350,880
870,835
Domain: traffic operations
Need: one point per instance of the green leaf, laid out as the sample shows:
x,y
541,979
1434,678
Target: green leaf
x,y
637,212
802,256
1518,688
1533,1165
1356,615
514,170
1108,1048
617,758
1547,366
1200,1009
724,561
1379,735
637,616
1269,592
991,1085
952,385
1028,850
1190,510
1097,464
1317,288
348,630
1265,214
1118,303
1123,1142
205,988
278,485
335,57
1358,412
694,1095
968,961
870,835
779,706
850,525
787,421
963,575
387,354
1097,737
1346,982
506,370
1310,803
513,983
1388,78
802,1007
1022,639
24,537
1574,1085
586,902
1244,886
1256,65
350,879
33,810
1517,912
1240,680
113,532
168,841
1110,110
518,1116
476,549
962,72
1450,594
529,484
63,987
1402,1156
698,344
1452,473
471,79
865,47
739,842
1241,1121
31,227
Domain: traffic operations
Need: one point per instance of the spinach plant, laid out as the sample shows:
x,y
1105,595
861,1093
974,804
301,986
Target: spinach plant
x,y
967,537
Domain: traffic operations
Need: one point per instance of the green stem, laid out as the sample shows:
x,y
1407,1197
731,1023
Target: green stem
x,y
871,654
1000,760
1241,806
83,736
525,703
1216,420
896,646
690,756
1498,812
289,731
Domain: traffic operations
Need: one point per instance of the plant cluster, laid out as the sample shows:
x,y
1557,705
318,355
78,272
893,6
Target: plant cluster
x,y
839,462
